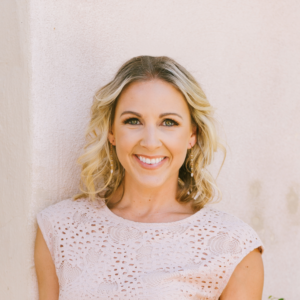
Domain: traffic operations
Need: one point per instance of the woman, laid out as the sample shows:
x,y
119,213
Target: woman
x,y
140,228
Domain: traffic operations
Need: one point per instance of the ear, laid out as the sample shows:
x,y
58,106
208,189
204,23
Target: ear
x,y
111,137
193,137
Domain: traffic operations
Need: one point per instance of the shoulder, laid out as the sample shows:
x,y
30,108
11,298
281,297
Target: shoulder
x,y
227,227
69,207
56,207
228,241
67,213
58,220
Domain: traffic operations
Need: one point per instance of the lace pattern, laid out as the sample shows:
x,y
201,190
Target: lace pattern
x,y
99,255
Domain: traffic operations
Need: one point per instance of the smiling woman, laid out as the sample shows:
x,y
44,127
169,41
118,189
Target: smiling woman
x,y
163,87
140,228
150,118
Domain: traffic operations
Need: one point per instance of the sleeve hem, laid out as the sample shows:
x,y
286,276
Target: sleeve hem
x,y
258,245
40,223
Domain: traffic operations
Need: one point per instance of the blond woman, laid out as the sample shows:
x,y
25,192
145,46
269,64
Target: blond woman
x,y
141,227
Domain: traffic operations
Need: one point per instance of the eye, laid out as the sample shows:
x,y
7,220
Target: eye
x,y
169,122
132,121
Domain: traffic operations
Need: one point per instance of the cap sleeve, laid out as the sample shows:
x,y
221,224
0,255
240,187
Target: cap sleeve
x,y
45,225
243,240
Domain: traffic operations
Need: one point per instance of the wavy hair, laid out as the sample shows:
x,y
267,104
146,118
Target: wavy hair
x,y
97,181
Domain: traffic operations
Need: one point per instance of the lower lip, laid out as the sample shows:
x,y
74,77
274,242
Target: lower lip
x,y
151,166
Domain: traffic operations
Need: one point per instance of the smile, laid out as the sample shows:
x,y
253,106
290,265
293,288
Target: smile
x,y
150,163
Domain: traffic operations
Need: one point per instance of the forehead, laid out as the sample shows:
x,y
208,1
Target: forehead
x,y
152,96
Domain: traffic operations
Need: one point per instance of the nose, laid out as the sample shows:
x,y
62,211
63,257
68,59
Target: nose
x,y
150,139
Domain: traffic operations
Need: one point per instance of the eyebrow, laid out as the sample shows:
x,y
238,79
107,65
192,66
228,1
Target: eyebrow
x,y
170,113
130,112
139,115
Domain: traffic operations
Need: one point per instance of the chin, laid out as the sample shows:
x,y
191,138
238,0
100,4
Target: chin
x,y
151,181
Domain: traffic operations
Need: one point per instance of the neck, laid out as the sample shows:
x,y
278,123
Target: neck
x,y
145,200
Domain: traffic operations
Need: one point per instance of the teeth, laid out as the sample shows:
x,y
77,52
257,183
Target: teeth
x,y
150,161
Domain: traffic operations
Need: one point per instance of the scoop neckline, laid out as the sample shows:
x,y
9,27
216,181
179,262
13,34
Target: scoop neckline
x,y
136,223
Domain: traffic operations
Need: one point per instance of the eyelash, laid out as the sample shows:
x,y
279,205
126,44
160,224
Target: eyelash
x,y
130,119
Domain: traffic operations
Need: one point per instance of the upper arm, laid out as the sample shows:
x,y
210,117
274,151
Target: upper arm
x,y
246,282
45,270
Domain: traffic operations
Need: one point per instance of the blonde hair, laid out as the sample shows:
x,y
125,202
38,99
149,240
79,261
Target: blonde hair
x,y
96,177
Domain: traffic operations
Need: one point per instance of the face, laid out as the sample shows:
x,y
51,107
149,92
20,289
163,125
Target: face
x,y
152,131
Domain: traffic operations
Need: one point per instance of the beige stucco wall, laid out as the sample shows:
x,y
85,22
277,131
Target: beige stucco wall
x,y
246,55
15,149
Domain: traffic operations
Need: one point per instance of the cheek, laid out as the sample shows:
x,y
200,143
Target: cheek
x,y
178,152
125,142
178,147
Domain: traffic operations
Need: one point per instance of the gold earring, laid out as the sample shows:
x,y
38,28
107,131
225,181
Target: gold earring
x,y
111,161
192,164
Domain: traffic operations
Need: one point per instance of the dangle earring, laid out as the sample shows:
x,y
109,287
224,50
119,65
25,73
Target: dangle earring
x,y
192,164
111,161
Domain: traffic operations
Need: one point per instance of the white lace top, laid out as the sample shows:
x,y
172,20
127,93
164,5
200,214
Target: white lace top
x,y
99,255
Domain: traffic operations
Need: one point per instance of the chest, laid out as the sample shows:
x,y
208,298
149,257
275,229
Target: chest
x,y
104,260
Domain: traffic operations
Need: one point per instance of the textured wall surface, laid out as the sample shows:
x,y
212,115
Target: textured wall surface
x,y
245,54
15,185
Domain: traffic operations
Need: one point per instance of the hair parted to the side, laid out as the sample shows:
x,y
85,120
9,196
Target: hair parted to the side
x,y
96,177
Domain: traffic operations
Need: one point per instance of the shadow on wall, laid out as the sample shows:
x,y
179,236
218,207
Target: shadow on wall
x,y
292,202
258,203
